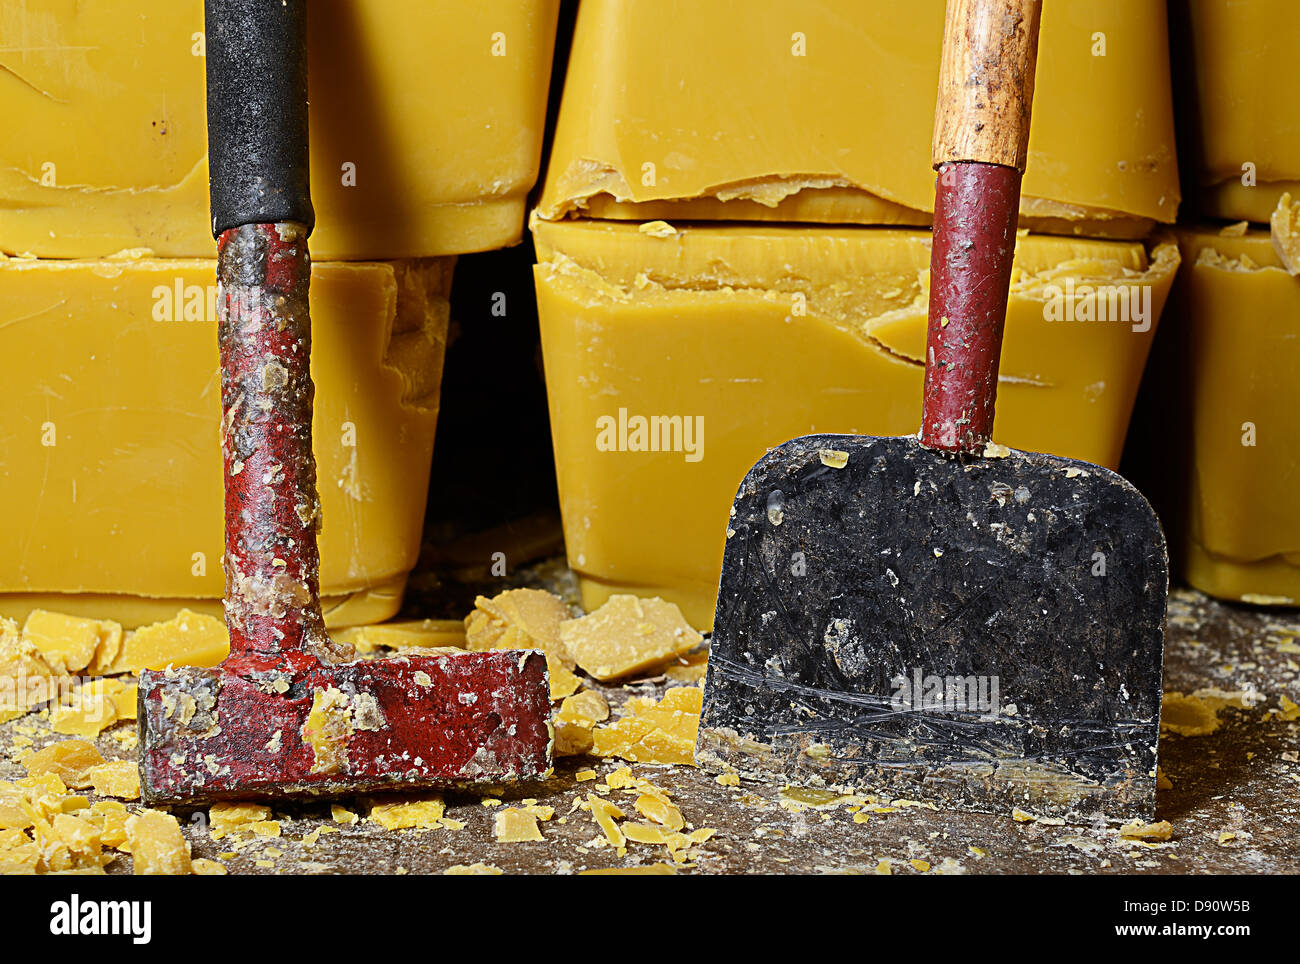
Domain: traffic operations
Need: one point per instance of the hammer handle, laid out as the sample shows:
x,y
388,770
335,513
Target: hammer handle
x,y
261,216
981,133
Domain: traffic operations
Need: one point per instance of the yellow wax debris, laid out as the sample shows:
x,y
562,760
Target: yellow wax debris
x,y
660,811
401,813
188,639
727,780
120,778
227,818
472,870
342,815
525,619
651,732
157,845
514,825
921,865
1140,830
204,867
604,813
69,760
26,678
574,720
70,643
628,635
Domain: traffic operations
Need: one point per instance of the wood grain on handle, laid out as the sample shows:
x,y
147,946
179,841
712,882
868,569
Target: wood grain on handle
x,y
986,82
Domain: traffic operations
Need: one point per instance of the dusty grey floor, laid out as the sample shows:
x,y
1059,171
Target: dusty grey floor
x,y
1234,805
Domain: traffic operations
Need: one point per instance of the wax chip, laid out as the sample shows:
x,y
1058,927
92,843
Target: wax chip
x,y
118,778
1140,830
69,760
651,732
157,846
405,813
479,869
514,825
525,619
574,721
628,635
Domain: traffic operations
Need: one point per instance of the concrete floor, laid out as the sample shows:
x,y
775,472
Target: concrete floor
x,y
1234,805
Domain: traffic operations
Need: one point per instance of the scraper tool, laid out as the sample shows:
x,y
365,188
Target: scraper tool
x,y
288,713
939,617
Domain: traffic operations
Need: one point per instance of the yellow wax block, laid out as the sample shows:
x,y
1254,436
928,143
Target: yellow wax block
x,y
1239,96
824,112
1225,435
426,125
112,411
762,333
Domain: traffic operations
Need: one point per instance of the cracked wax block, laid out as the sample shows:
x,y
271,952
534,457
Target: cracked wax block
x,y
824,112
1225,449
674,361
426,125
110,460
1243,113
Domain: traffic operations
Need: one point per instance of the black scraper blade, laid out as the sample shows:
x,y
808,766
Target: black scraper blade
x,y
982,632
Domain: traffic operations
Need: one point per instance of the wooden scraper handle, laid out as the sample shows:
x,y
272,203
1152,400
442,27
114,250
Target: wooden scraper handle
x,y
981,137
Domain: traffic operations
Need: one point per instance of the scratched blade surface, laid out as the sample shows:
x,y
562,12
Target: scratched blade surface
x,y
983,633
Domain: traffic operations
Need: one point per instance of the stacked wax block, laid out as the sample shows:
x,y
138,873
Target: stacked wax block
x,y
426,128
1222,432
732,251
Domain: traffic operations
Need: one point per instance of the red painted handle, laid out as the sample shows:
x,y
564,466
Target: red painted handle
x,y
272,511
981,138
975,208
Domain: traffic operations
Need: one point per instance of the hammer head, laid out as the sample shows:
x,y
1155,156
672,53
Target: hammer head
x,y
301,727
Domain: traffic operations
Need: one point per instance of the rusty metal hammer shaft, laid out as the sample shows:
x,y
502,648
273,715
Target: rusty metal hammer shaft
x,y
287,713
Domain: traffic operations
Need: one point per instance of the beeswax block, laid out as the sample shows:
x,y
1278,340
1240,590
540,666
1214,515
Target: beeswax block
x,y
673,364
112,416
1242,112
426,125
1223,433
824,112
627,635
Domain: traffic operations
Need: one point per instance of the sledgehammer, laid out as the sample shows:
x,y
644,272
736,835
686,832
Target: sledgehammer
x,y
288,713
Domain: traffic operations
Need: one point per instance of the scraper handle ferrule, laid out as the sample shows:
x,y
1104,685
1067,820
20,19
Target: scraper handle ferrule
x,y
981,137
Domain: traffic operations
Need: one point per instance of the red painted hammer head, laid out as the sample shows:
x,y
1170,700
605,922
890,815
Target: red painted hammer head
x,y
287,714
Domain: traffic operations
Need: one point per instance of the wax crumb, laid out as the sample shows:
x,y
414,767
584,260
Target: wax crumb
x,y
227,818
921,865
658,229
404,813
208,868
582,776
992,450
885,867
119,778
833,458
1140,830
727,780
342,814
